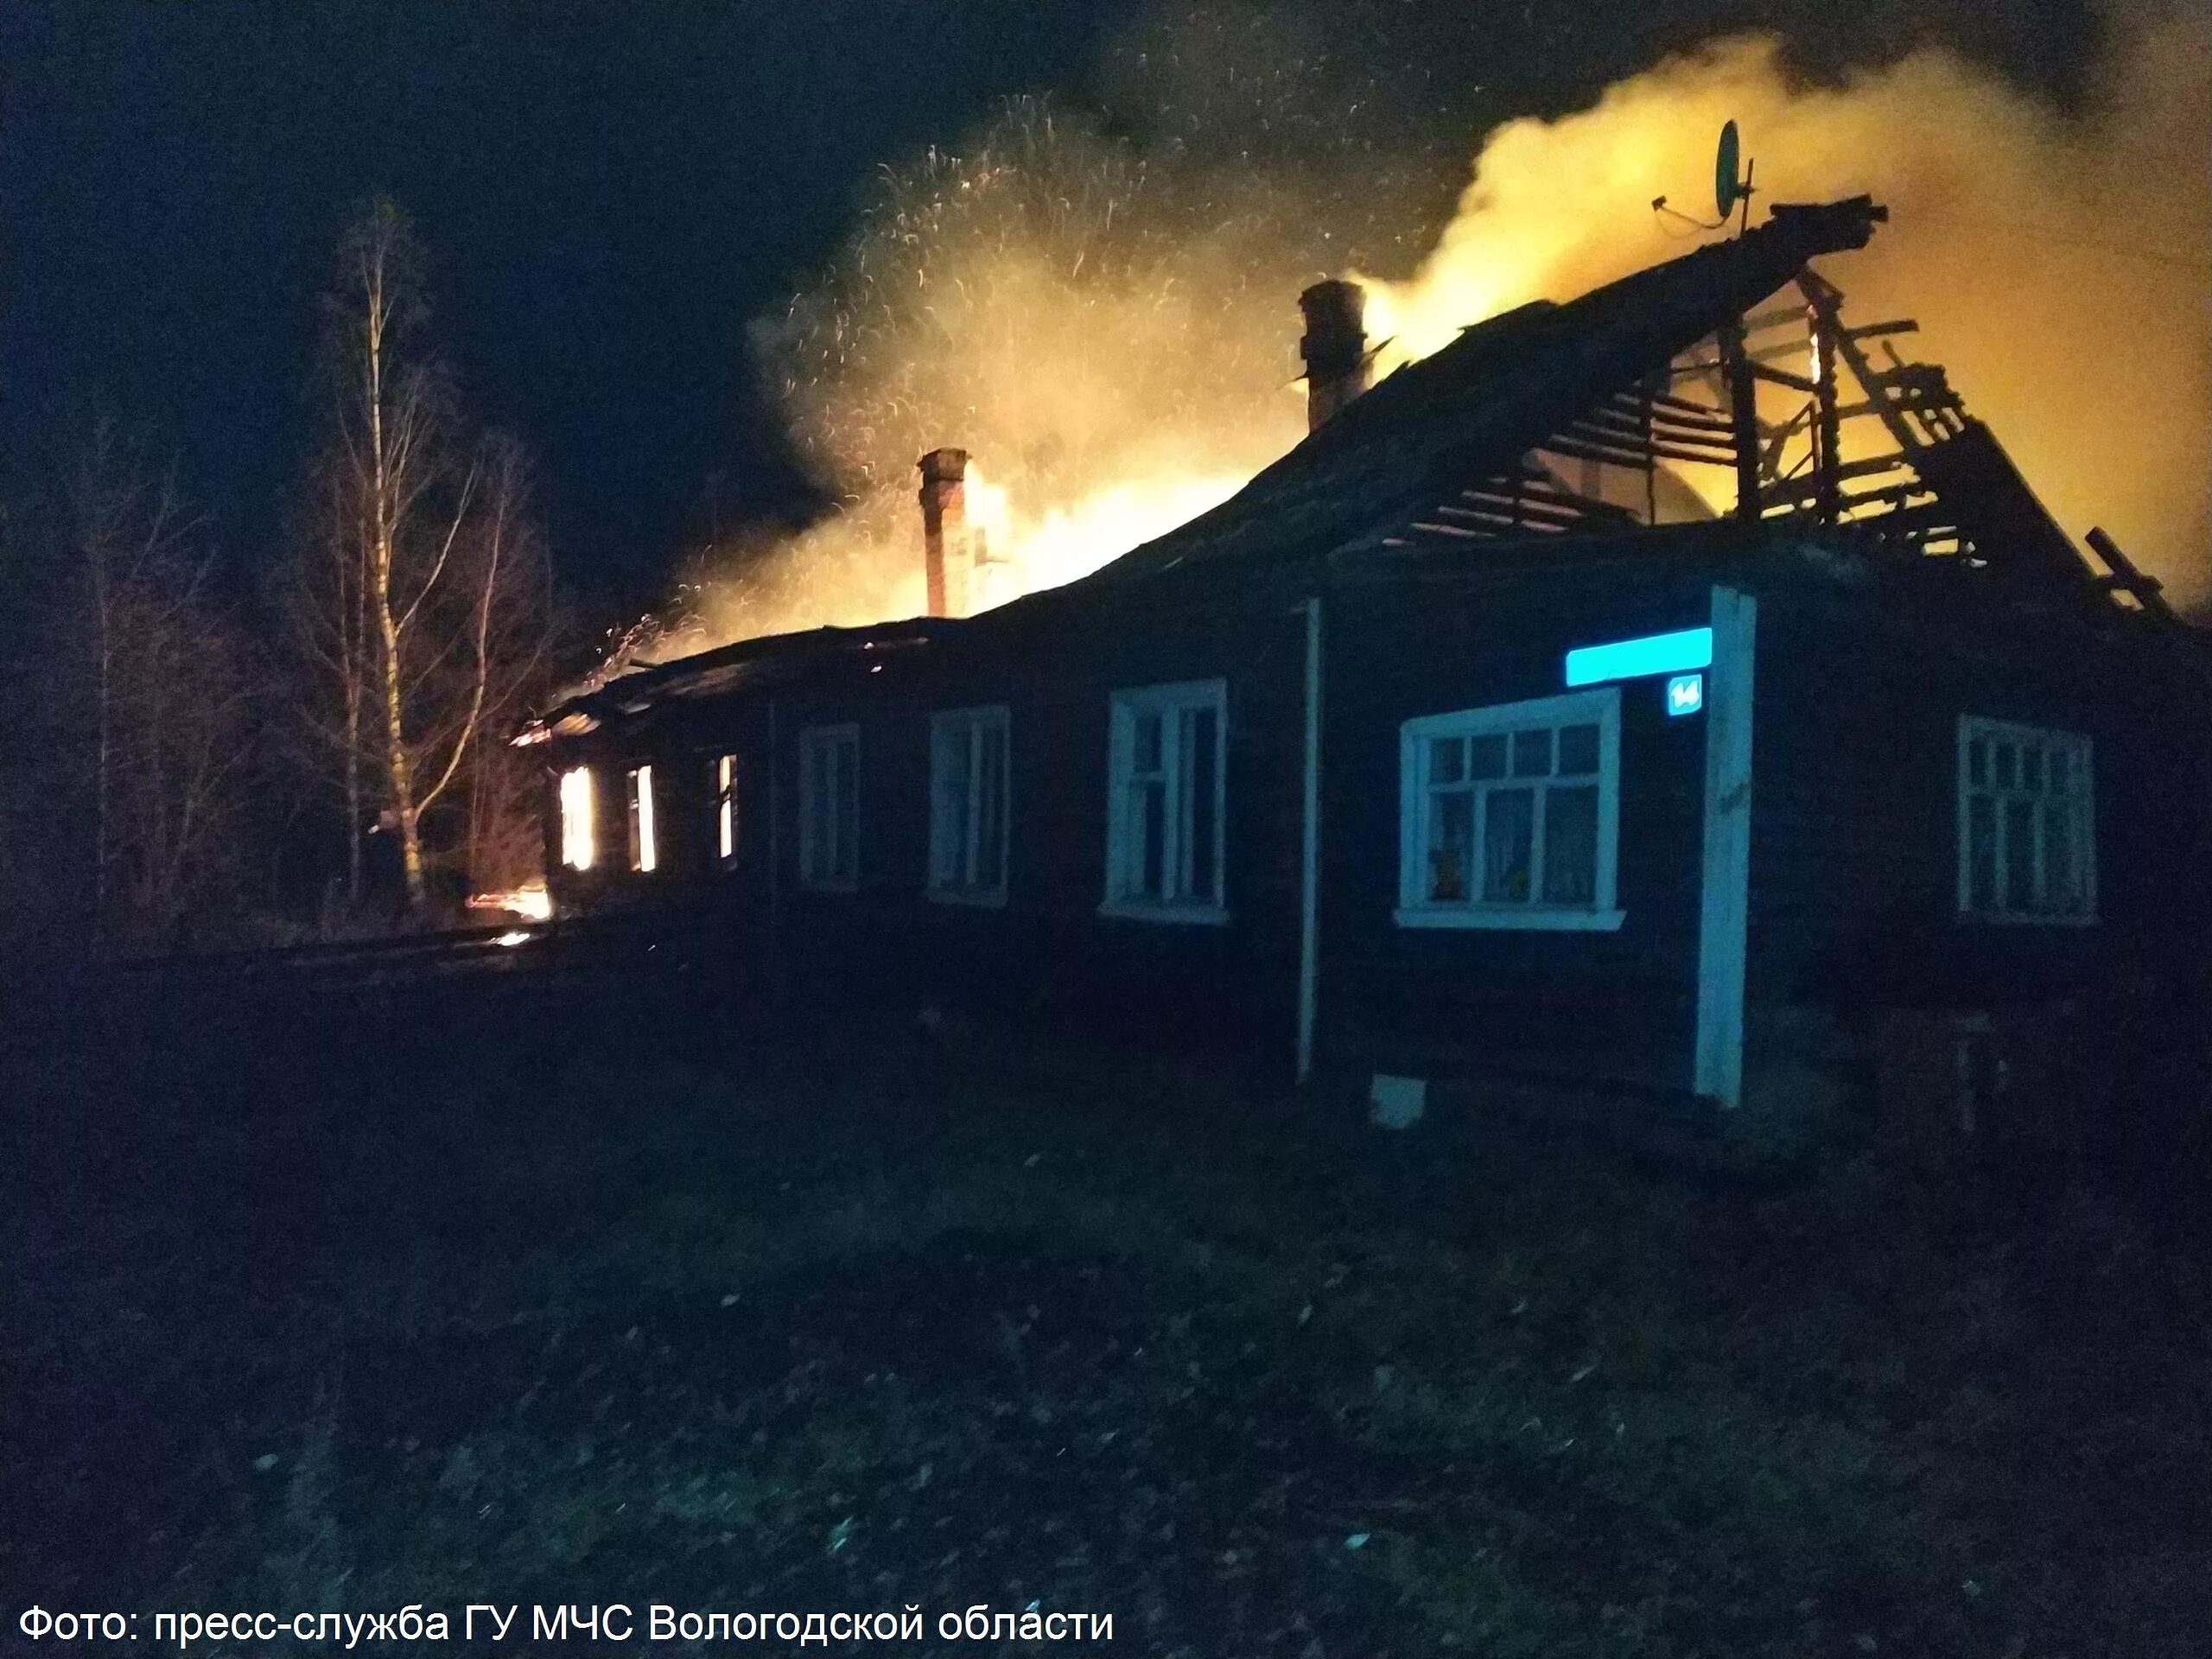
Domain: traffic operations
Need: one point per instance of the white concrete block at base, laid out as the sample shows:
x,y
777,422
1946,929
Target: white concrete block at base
x,y
1396,1103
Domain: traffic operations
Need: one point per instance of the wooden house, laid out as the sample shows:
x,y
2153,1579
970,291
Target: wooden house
x,y
1466,742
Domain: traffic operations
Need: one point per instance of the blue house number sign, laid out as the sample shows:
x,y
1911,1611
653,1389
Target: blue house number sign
x,y
1629,659
1652,654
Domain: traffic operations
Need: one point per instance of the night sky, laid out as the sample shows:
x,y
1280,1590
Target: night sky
x,y
608,194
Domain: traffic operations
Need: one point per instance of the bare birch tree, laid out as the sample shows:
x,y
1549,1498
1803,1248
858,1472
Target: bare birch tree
x,y
323,600
479,656
165,669
422,587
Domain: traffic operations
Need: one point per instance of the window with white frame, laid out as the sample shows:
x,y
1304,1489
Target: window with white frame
x,y
968,805
1510,815
2026,823
725,782
645,854
828,807
1166,802
578,842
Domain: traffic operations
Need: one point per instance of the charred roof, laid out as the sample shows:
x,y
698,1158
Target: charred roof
x,y
1458,451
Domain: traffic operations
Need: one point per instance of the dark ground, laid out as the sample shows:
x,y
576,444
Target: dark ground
x,y
351,1304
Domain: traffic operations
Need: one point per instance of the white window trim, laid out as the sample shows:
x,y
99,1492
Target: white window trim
x,y
2083,751
1600,704
958,725
1124,705
810,738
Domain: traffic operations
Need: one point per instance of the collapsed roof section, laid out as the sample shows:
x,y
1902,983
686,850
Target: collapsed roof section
x,y
749,664
1658,398
1468,416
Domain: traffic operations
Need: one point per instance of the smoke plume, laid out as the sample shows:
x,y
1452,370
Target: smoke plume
x,y
2057,264
1109,347
1110,330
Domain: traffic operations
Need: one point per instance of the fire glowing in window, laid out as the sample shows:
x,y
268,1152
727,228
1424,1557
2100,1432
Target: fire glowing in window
x,y
642,854
576,847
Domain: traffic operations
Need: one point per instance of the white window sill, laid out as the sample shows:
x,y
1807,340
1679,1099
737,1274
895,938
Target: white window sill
x,y
2022,918
1501,916
975,899
1138,910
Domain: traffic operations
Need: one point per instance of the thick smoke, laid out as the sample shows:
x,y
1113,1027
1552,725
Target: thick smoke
x,y
1113,351
2057,265
1109,330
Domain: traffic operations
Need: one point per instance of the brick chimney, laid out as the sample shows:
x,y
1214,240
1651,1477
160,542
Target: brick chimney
x,y
944,531
1335,347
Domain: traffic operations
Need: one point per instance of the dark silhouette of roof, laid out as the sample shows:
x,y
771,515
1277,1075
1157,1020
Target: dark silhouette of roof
x,y
1496,392
1470,411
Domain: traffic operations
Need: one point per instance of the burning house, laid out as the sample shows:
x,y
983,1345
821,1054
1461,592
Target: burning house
x,y
1642,692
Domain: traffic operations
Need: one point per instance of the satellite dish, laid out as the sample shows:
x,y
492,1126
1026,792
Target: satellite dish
x,y
1729,192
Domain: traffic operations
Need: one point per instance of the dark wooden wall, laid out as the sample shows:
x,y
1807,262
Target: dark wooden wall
x,y
1854,825
1047,949
1853,851
1617,1006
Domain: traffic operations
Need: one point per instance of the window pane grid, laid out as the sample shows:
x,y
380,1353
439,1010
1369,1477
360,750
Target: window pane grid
x,y
1568,850
830,808
1451,844
1508,831
1512,817
2025,824
1167,788
968,825
1532,754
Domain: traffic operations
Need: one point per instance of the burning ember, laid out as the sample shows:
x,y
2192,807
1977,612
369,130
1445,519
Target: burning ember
x,y
1107,330
530,901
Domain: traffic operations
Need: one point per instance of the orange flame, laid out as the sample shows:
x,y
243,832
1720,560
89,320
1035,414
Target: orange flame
x,y
530,901
1111,387
2069,318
